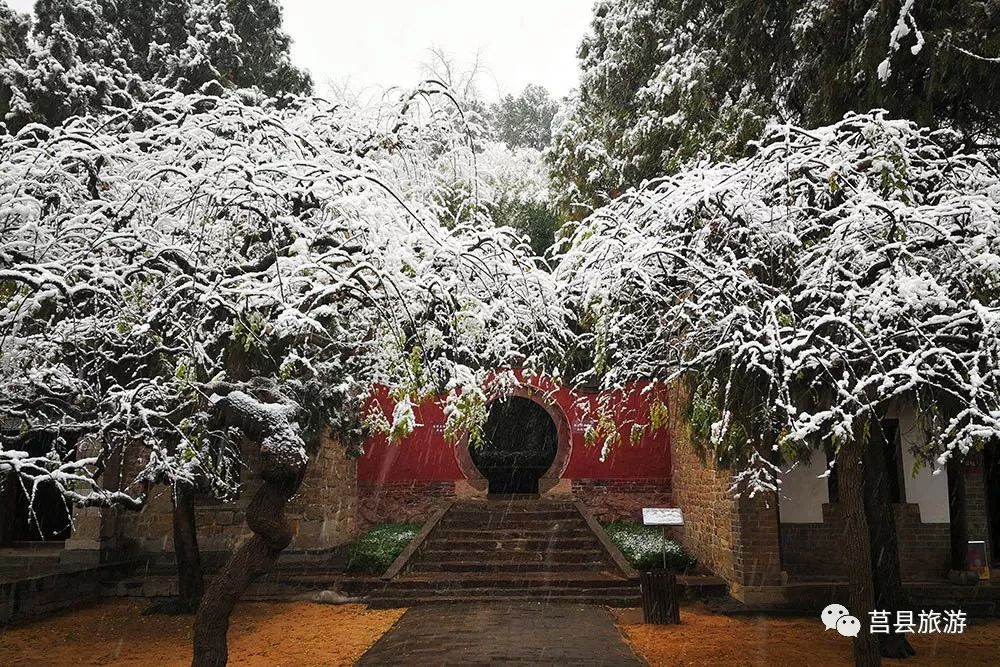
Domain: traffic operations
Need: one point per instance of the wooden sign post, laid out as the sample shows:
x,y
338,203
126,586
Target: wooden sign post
x,y
659,588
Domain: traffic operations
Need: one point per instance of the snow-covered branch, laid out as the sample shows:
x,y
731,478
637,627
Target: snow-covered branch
x,y
806,288
194,248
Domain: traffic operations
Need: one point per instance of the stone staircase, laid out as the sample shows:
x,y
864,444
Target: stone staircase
x,y
511,551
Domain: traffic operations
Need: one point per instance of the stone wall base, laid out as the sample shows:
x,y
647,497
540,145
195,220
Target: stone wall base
x,y
622,500
34,597
412,502
813,549
608,500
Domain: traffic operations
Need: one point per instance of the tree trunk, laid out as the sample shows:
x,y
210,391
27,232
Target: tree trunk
x,y
857,547
957,513
252,558
282,465
190,578
886,575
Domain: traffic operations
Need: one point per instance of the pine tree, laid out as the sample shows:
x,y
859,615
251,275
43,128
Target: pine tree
x,y
656,88
210,58
664,82
167,38
93,55
94,24
525,121
264,49
14,29
54,82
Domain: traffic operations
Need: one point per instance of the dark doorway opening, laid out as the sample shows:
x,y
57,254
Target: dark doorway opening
x,y
519,445
991,461
46,517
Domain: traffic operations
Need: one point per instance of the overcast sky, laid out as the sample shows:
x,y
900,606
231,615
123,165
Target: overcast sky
x,y
380,43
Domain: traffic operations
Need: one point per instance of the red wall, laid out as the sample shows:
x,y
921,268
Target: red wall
x,y
425,456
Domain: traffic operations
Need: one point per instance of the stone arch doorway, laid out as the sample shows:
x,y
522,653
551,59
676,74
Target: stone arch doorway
x,y
526,446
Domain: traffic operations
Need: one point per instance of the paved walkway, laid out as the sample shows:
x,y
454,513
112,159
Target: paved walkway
x,y
503,634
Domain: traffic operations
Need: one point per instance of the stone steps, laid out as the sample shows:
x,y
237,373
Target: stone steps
x,y
490,591
509,567
509,552
487,554
516,545
448,534
521,580
516,515
512,522
545,508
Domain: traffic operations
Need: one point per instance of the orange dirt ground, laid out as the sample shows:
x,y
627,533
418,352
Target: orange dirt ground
x,y
304,634
115,633
710,640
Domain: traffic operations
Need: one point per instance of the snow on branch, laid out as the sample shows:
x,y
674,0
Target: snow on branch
x,y
294,253
905,24
805,289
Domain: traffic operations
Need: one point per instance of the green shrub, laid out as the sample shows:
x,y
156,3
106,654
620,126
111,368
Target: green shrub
x,y
644,547
374,551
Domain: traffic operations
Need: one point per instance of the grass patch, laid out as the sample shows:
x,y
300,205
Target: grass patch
x,y
374,551
644,547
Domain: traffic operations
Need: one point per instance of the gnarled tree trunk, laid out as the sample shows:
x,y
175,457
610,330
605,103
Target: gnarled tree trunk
x,y
283,463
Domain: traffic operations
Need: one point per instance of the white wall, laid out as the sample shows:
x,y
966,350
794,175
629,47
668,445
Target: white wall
x,y
926,489
803,492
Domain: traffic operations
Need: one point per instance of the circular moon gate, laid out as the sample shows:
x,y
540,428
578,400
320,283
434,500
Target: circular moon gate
x,y
519,445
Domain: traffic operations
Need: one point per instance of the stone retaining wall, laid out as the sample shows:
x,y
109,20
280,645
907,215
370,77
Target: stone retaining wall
x,y
702,492
38,596
622,500
325,510
412,502
737,538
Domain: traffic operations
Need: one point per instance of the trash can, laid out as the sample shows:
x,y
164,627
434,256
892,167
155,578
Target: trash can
x,y
659,597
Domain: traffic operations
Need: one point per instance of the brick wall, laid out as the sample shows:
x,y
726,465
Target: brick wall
x,y
737,538
702,492
756,541
41,595
326,506
400,501
975,498
812,550
611,500
924,548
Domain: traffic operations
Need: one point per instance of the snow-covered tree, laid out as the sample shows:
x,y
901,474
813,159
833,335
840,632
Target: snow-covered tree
x,y
518,193
666,82
524,121
75,64
14,29
197,273
211,54
87,56
264,53
802,291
